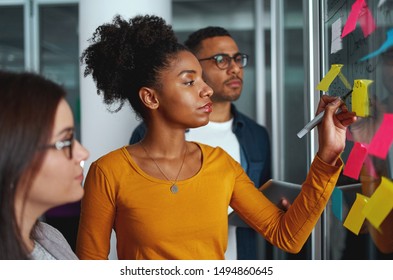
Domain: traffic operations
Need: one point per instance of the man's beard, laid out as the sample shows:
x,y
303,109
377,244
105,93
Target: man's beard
x,y
226,98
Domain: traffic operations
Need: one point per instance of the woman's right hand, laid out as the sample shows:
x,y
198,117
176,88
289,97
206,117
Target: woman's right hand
x,y
332,129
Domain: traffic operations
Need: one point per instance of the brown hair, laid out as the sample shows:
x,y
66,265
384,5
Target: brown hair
x,y
28,104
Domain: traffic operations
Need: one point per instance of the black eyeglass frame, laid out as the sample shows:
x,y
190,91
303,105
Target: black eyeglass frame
x,y
61,144
243,59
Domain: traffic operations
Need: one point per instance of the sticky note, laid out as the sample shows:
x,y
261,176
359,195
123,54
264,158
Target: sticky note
x,y
366,20
360,100
362,14
335,70
383,138
355,160
337,203
352,19
355,217
344,80
380,203
337,43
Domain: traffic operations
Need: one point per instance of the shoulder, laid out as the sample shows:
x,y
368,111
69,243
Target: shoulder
x,y
53,241
45,230
249,122
114,157
208,150
248,125
138,133
140,128
109,165
215,155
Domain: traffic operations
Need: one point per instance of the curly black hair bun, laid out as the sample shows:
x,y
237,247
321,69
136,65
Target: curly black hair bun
x,y
124,56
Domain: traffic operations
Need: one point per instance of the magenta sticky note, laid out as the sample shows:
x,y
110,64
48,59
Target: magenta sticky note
x,y
366,21
355,161
383,138
362,14
350,25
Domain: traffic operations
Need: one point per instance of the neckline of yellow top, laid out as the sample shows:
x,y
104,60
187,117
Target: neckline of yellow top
x,y
173,188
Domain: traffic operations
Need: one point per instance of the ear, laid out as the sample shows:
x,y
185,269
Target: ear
x,y
149,98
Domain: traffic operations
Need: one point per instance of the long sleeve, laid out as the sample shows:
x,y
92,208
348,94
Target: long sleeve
x,y
152,223
288,230
97,216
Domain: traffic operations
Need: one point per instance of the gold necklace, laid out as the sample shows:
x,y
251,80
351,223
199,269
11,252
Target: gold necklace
x,y
174,188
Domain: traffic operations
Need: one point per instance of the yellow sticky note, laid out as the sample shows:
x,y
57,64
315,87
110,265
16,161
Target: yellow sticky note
x,y
380,203
360,100
324,84
355,217
344,80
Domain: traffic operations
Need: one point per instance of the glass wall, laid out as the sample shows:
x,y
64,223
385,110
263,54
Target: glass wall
x,y
288,105
59,54
34,39
360,220
12,49
42,36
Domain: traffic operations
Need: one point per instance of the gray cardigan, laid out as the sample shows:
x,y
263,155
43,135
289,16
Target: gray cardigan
x,y
54,242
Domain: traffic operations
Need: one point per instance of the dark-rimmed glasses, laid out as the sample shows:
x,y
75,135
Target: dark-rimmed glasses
x,y
62,144
223,61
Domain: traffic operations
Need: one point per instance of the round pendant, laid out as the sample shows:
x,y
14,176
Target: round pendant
x,y
174,189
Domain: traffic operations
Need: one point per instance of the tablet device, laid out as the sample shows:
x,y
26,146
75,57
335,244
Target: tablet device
x,y
274,190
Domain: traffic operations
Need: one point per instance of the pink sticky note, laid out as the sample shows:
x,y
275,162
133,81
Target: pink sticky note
x,y
350,25
359,12
355,161
366,21
383,138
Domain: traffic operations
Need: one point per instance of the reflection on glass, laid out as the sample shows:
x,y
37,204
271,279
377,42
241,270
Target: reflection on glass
x,y
12,55
59,51
371,241
292,103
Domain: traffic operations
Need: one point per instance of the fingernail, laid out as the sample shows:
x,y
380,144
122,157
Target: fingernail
x,y
336,101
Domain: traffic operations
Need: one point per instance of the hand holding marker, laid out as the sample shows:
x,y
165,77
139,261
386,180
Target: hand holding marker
x,y
315,121
324,84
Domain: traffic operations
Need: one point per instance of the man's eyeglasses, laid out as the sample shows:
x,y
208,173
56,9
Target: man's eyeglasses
x,y
223,61
62,144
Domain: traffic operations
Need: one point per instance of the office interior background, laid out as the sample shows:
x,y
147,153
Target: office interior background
x,y
288,42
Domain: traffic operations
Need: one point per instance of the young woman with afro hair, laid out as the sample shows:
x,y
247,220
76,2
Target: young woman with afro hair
x,y
167,198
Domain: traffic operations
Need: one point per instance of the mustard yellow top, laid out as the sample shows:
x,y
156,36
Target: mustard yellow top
x,y
153,223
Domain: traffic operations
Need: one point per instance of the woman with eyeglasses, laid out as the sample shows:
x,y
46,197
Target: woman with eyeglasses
x,y
165,197
39,166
